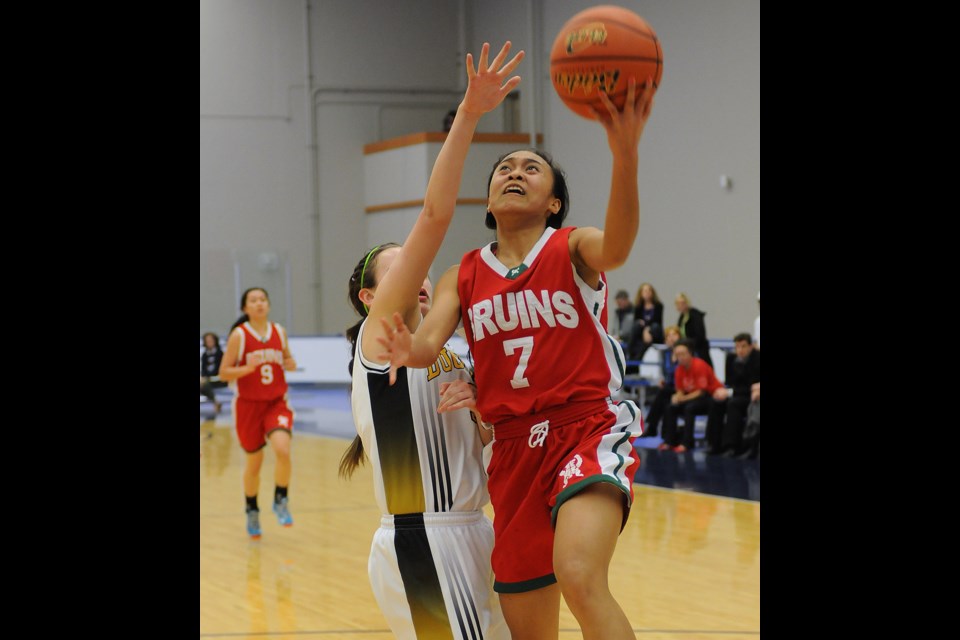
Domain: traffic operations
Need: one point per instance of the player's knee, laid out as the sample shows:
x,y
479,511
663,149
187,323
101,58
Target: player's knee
x,y
580,581
280,442
570,571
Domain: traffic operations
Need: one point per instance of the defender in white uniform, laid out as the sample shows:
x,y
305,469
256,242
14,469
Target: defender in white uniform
x,y
430,559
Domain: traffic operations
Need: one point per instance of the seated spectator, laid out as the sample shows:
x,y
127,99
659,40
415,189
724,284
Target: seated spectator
x,y
648,321
621,320
668,365
693,326
728,411
210,368
695,383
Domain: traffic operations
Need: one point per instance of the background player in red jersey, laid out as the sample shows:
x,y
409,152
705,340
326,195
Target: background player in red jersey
x,y
256,357
532,305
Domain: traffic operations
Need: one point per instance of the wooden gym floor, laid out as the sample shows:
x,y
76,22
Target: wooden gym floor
x,y
687,565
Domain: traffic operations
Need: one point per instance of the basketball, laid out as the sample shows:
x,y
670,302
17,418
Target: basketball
x,y
600,49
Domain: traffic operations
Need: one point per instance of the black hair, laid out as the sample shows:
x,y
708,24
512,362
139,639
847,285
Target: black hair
x,y
448,120
363,276
743,337
559,189
243,302
689,343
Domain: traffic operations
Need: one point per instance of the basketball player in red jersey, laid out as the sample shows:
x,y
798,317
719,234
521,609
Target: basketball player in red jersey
x,y
256,357
562,465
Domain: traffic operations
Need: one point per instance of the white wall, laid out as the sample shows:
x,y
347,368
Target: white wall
x,y
256,141
254,188
694,236
401,174
391,68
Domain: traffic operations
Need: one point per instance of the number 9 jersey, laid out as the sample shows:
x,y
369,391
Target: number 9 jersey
x,y
268,381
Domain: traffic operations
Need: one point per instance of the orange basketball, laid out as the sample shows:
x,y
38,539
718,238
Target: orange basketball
x,y
599,49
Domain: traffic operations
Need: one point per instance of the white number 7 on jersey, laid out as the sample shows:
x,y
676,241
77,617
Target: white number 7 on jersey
x,y
526,344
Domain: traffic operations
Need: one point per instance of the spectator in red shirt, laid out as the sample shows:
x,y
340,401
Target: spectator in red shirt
x,y
695,382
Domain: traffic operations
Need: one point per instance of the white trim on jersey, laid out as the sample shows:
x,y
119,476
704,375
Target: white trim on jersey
x,y
613,453
489,257
263,339
243,344
594,299
367,364
283,336
233,385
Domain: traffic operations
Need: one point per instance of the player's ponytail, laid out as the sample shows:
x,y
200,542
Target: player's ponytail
x,y
239,322
352,458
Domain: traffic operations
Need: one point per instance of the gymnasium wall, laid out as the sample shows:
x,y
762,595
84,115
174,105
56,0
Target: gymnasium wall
x,y
379,69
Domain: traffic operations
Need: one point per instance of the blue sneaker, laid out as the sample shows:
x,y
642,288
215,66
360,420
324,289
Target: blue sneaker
x,y
253,524
283,514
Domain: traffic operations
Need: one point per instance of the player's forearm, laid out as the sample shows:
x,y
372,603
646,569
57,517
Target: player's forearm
x,y
623,209
423,353
232,373
440,199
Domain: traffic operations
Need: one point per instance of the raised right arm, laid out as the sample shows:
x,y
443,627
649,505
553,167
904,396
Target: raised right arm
x,y
398,290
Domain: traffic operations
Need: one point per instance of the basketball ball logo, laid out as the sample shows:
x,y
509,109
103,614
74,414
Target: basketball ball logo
x,y
584,81
597,51
586,36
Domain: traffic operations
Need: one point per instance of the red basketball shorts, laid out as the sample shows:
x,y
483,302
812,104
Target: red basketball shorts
x,y
537,463
257,419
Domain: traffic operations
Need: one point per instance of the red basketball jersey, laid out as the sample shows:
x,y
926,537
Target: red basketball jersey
x,y
535,331
268,381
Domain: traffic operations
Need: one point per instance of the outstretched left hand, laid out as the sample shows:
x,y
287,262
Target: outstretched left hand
x,y
488,84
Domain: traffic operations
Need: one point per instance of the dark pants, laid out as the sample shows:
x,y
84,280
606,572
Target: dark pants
x,y
751,446
725,422
699,406
207,387
657,407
